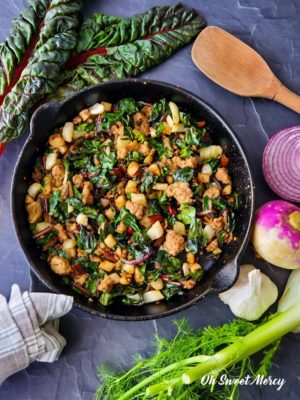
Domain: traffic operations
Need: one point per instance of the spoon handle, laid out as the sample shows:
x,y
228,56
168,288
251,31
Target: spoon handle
x,y
288,98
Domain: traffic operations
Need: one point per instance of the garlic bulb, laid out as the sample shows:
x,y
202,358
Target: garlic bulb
x,y
251,295
291,294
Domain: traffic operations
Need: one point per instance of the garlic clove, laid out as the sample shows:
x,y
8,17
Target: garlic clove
x,y
251,295
291,294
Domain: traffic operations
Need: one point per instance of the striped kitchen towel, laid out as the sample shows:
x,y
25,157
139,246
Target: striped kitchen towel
x,y
29,329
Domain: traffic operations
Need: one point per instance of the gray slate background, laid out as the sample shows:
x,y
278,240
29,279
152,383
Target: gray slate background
x,y
273,28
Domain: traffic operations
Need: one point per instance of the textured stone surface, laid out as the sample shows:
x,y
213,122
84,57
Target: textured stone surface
x,y
272,28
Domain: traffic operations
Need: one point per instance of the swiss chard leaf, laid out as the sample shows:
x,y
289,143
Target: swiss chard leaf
x,y
214,163
187,214
128,219
159,109
183,175
128,105
58,207
194,136
167,261
79,207
147,181
160,148
86,240
196,237
108,161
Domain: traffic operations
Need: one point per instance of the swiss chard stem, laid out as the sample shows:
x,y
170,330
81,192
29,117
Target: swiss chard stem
x,y
250,344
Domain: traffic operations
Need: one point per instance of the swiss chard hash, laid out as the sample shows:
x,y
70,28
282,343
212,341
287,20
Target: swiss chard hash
x,y
126,199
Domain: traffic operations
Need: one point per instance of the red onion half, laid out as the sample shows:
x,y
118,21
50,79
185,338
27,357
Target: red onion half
x,y
281,163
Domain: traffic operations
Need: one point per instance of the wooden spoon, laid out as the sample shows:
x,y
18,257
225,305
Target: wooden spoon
x,y
235,66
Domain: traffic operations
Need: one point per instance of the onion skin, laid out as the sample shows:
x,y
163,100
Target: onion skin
x,y
274,238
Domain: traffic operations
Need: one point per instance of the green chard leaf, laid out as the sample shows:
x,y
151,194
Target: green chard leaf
x,y
128,219
57,207
127,46
56,25
128,105
183,175
86,240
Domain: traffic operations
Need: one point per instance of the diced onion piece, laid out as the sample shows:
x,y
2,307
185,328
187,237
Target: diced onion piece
x,y
139,198
170,121
97,109
34,189
107,106
185,269
175,112
281,163
179,228
70,209
210,152
82,219
210,232
51,159
68,132
110,241
207,169
158,284
41,226
152,296
69,244
161,186
156,231
152,132
177,128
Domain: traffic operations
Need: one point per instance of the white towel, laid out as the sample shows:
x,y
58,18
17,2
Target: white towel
x,y
29,329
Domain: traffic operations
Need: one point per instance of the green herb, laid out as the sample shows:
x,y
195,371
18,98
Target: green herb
x,y
183,175
86,240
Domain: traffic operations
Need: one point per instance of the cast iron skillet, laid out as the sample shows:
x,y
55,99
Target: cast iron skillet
x,y
220,275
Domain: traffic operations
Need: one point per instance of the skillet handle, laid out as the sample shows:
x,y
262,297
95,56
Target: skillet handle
x,y
226,277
